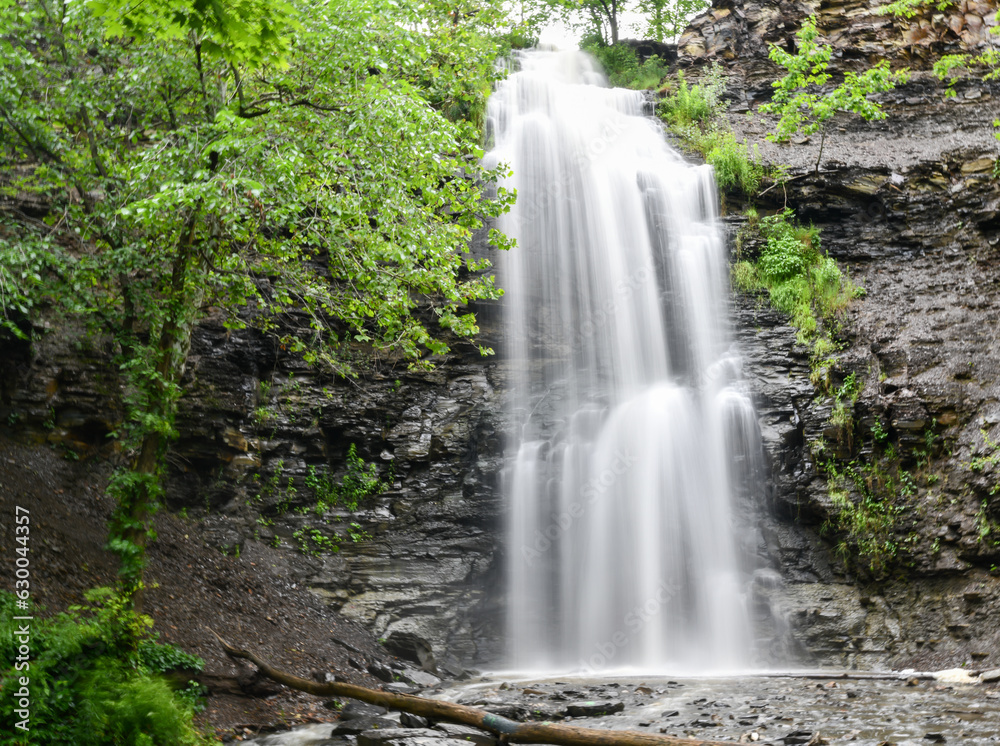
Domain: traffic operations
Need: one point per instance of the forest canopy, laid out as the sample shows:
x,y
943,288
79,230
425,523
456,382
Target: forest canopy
x,y
312,170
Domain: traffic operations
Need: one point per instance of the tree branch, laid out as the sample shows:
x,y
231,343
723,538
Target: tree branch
x,y
512,731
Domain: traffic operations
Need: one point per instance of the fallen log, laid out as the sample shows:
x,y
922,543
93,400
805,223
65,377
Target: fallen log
x,y
509,731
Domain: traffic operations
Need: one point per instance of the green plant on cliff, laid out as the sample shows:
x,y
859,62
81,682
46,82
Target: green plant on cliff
x,y
359,481
242,158
989,460
800,279
695,114
798,100
622,65
867,496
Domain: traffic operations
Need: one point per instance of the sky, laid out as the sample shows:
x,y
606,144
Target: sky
x,y
561,36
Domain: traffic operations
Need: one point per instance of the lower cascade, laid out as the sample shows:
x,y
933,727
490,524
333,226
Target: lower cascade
x,y
633,439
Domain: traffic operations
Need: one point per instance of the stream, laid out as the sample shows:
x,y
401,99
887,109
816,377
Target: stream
x,y
771,709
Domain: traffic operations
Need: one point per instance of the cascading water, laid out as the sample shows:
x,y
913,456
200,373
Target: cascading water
x,y
632,433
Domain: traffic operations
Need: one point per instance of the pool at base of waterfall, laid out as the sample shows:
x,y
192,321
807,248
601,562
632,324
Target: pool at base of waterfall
x,y
794,709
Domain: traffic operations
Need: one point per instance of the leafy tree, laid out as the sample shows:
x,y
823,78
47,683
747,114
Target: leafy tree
x,y
800,104
666,19
310,170
601,17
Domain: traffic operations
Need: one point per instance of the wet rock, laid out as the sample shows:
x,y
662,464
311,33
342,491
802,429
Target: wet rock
x,y
400,687
409,720
410,646
406,737
354,726
419,678
381,671
704,723
465,733
593,709
355,709
798,737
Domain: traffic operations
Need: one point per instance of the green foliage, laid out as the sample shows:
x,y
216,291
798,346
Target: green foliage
x,y
315,185
160,658
911,8
247,32
29,272
360,481
985,526
866,496
699,104
695,113
357,533
843,403
666,19
799,104
95,678
313,542
622,66
735,164
800,280
989,460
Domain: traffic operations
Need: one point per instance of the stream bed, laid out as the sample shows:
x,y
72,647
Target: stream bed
x,y
751,709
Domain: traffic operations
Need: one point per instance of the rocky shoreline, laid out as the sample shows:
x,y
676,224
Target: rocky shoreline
x,y
748,709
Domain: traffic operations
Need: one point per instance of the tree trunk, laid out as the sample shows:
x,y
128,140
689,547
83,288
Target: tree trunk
x,y
138,503
508,730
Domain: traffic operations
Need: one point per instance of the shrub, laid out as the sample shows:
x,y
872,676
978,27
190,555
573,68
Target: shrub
x,y
622,66
360,481
800,280
734,163
93,682
696,104
694,112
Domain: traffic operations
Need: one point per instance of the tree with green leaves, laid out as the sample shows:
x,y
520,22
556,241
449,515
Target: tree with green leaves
x,y
799,101
666,19
309,170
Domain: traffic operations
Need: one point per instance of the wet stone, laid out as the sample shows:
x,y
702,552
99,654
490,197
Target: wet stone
x,y
354,726
353,710
379,736
413,721
593,709
465,733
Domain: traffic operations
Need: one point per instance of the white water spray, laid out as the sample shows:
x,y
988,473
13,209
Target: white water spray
x,y
621,540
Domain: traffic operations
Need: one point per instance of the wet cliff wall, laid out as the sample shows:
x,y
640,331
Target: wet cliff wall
x,y
909,207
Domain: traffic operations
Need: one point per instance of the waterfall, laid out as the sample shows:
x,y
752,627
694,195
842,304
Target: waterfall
x,y
631,430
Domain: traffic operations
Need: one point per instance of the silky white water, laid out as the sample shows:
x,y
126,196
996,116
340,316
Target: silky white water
x,y
631,431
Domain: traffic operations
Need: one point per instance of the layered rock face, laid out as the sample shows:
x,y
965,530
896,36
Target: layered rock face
x,y
742,29
910,205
